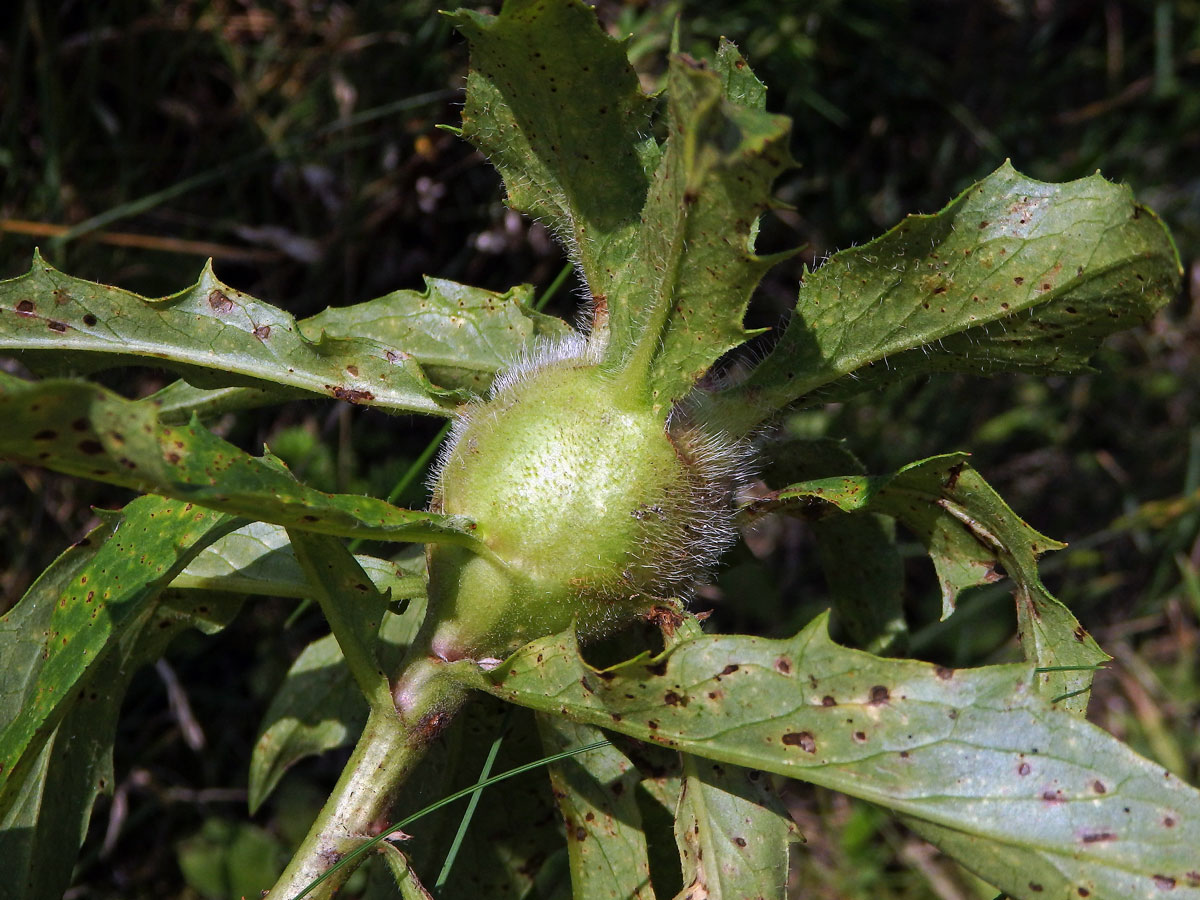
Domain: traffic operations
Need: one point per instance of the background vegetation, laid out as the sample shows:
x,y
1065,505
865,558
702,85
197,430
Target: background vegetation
x,y
296,143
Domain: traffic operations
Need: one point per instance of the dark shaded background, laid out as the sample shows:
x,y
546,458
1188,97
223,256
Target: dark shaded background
x,y
296,143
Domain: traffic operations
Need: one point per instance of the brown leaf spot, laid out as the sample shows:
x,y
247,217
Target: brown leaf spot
x,y
80,425
25,308
262,332
1052,796
802,739
652,725
1097,837
353,370
860,737
1018,281
783,665
46,434
350,395
740,841
828,701
219,302
944,673
1164,882
879,695
1024,769
91,448
1168,822
1098,787
60,327
89,319
673,699
1035,887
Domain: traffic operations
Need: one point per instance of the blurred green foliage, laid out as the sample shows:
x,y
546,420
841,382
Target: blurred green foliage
x,y
297,144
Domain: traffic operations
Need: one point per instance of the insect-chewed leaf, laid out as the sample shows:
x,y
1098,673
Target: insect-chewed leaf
x,y
83,429
971,534
1013,275
216,335
977,751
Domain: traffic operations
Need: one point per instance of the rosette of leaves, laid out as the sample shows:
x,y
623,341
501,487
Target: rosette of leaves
x,y
657,200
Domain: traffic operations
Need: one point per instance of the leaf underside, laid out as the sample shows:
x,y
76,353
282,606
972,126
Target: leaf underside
x,y
975,752
972,536
83,429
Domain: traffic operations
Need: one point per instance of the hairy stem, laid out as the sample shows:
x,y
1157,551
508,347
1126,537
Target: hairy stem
x,y
390,747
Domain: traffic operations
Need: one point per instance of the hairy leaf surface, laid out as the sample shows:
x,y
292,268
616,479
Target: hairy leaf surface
x,y
685,289
1013,275
555,106
975,750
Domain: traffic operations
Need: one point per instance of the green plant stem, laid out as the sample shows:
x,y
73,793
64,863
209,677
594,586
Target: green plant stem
x,y
390,747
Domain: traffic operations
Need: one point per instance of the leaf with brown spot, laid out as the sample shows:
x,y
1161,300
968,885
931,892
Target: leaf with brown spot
x,y
943,751
968,531
609,855
122,442
220,338
59,640
864,318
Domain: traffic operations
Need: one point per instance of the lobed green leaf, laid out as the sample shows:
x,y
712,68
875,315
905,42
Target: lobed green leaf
x,y
460,335
555,106
976,751
1013,275
83,429
972,536
215,335
677,303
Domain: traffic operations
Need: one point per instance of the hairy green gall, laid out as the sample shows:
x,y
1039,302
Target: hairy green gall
x,y
591,506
